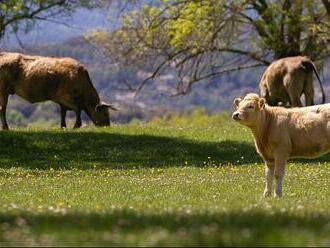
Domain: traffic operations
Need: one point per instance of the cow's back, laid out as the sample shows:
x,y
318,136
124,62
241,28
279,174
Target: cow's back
x,y
9,68
277,70
37,78
46,78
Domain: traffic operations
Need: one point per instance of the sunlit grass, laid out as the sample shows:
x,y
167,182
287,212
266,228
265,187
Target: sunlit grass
x,y
154,184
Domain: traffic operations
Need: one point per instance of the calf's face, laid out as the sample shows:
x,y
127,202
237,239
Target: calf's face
x,y
248,110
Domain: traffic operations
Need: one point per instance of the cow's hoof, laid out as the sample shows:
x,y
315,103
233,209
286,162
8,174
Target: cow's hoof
x,y
267,193
77,125
278,194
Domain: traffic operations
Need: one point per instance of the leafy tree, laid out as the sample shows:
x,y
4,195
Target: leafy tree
x,y
22,14
327,5
201,39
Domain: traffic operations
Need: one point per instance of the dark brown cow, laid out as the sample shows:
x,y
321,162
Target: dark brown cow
x,y
62,80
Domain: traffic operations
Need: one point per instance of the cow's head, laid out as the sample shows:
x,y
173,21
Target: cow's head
x,y
100,115
248,110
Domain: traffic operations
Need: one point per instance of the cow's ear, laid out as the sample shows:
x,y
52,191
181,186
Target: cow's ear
x,y
237,101
262,103
104,105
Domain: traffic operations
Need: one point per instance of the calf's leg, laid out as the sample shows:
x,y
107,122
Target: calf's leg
x,y
269,171
280,163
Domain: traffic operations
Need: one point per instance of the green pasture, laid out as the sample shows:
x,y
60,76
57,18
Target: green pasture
x,y
193,180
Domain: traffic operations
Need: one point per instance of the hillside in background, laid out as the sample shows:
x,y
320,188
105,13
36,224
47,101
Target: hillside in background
x,y
111,82
155,99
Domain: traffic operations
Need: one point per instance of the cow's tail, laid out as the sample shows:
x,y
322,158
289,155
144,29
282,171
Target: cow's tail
x,y
310,65
320,82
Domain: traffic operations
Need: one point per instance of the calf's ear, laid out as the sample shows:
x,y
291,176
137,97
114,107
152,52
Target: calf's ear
x,y
237,101
262,103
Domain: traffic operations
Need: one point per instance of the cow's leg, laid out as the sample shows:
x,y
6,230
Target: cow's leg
x,y
280,163
294,100
294,89
63,115
264,91
269,171
3,103
78,119
309,90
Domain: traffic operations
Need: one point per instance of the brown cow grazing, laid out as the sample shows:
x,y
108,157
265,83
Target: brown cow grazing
x,y
285,80
281,134
62,80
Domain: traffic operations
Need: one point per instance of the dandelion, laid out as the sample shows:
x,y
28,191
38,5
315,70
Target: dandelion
x,y
300,207
13,206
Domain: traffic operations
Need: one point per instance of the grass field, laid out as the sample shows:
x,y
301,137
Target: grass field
x,y
189,181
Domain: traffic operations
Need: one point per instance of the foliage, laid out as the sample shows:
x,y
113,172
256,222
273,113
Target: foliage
x,y
197,117
197,39
149,185
18,15
326,4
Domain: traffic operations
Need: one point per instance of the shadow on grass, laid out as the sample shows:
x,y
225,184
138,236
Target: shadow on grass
x,y
322,159
234,228
106,150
